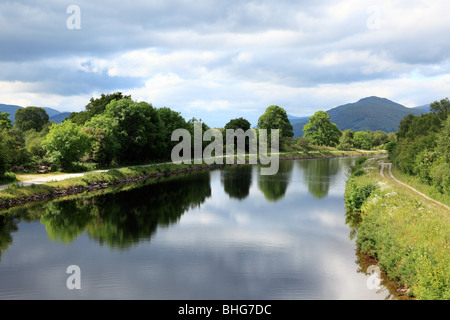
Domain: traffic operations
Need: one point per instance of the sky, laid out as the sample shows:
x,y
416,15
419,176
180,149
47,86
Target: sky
x,y
219,60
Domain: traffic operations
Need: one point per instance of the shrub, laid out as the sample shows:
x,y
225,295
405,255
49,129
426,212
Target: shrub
x,y
355,194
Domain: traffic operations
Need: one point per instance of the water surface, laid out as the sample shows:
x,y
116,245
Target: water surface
x,y
222,234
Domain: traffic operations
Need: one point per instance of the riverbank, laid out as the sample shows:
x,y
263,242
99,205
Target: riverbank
x,y
16,194
407,234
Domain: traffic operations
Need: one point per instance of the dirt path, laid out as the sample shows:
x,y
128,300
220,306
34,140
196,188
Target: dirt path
x,y
389,166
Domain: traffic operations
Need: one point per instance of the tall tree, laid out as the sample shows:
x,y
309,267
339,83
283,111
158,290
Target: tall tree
x,y
276,117
321,131
5,122
346,140
171,121
441,108
239,123
30,118
66,143
362,140
140,130
95,107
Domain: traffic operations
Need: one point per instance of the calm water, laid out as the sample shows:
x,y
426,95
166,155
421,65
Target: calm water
x,y
223,234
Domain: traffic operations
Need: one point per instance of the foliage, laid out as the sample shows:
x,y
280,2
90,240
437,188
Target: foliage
x,y
103,133
321,131
355,194
96,106
170,121
30,118
408,236
362,140
5,122
239,123
13,148
441,108
346,140
423,148
276,117
138,129
66,143
3,156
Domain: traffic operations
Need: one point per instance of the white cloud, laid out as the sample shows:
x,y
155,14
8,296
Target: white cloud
x,y
233,57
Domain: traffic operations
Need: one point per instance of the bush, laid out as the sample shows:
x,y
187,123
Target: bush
x,y
7,177
355,194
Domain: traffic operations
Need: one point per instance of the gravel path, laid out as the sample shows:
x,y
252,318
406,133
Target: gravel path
x,y
389,166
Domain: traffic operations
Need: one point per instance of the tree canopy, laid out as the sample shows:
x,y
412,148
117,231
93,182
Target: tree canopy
x,y
239,123
441,108
321,131
31,118
66,143
95,107
5,122
276,117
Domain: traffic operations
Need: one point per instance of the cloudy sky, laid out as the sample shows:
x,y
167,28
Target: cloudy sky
x,y
218,60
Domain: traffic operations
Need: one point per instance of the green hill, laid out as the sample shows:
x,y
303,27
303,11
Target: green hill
x,y
372,113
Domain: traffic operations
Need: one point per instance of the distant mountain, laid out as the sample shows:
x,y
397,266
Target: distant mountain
x,y
425,108
11,109
54,115
372,113
293,119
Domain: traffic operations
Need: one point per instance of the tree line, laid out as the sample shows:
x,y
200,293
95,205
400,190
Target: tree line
x,y
112,130
422,148
321,131
115,130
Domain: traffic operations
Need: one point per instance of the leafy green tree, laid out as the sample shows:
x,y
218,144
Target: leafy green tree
x,y
441,108
104,134
140,130
13,148
276,117
379,138
346,140
239,123
30,118
443,144
5,122
413,126
236,124
95,107
171,121
362,140
3,155
321,131
66,143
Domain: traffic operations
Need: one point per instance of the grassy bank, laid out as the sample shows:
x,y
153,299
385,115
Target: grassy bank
x,y
15,194
414,182
407,234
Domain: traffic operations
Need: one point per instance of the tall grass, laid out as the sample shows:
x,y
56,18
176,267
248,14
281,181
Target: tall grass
x,y
408,235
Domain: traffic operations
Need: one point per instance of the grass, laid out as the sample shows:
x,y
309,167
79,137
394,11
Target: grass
x,y
14,191
8,177
407,234
420,186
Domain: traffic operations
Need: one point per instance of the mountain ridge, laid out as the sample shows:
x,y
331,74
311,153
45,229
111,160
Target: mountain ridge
x,y
371,113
